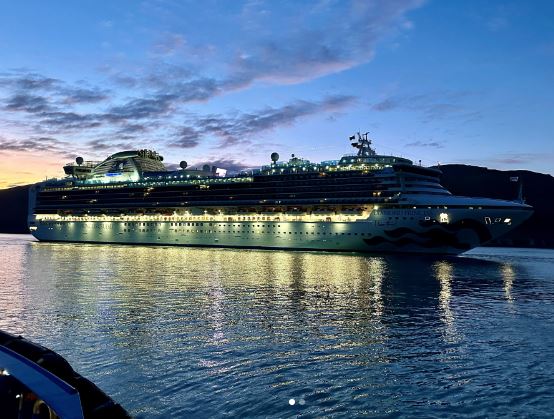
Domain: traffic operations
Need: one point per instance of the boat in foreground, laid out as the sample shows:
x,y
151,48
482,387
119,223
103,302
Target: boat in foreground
x,y
363,202
36,382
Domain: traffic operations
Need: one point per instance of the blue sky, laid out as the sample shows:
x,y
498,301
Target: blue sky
x,y
230,82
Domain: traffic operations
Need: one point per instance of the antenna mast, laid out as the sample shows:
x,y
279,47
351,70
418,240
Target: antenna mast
x,y
363,144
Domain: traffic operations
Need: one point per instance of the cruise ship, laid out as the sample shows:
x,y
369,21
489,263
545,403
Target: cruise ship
x,y
364,202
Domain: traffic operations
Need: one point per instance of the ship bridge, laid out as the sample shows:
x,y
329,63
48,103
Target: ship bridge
x,y
119,167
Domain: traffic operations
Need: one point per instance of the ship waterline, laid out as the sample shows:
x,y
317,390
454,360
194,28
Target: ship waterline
x,y
362,203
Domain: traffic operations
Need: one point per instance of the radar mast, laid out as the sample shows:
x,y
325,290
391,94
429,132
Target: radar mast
x,y
363,144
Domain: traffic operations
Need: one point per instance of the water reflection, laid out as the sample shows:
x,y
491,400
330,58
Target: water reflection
x,y
444,274
508,276
252,329
133,288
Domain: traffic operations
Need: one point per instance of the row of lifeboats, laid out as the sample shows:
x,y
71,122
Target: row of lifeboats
x,y
168,212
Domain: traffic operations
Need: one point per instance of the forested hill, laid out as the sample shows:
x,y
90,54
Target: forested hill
x,y
538,190
13,209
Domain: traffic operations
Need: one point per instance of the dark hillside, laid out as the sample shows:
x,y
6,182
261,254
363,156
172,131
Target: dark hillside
x,y
13,210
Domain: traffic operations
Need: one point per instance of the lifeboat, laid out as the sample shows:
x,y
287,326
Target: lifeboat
x,y
36,382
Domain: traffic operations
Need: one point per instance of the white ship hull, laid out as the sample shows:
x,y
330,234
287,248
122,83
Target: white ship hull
x,y
385,230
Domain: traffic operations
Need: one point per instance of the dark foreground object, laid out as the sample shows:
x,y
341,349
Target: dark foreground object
x,y
36,382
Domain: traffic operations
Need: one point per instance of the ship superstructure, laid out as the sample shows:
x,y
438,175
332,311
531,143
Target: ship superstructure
x,y
362,202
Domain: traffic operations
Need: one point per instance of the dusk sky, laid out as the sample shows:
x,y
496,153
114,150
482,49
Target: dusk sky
x,y
229,82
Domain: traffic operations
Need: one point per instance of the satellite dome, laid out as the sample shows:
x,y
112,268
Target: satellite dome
x,y
274,157
183,165
79,160
206,168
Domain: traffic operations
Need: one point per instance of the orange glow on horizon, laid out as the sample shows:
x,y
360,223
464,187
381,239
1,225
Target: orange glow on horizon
x,y
19,168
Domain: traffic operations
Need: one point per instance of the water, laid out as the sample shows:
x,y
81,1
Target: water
x,y
173,332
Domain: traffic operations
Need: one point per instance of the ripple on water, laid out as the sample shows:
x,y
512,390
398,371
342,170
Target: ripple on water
x,y
222,332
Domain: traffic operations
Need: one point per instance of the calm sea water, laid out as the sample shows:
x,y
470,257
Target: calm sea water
x,y
173,332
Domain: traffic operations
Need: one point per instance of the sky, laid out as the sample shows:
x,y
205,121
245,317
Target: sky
x,y
230,82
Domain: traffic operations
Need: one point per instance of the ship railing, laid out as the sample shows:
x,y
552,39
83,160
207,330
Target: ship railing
x,y
89,164
277,217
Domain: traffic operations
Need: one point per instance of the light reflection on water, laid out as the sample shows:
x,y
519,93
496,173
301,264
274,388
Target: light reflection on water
x,y
214,332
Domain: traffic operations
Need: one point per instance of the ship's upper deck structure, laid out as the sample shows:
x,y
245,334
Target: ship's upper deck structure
x,y
137,181
146,166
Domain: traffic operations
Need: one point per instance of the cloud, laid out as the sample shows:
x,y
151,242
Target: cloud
x,y
522,158
28,81
134,128
428,144
103,145
25,84
169,44
141,108
27,103
240,128
347,37
387,105
34,144
83,95
187,137
339,38
432,106
65,121
165,101
163,75
340,35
